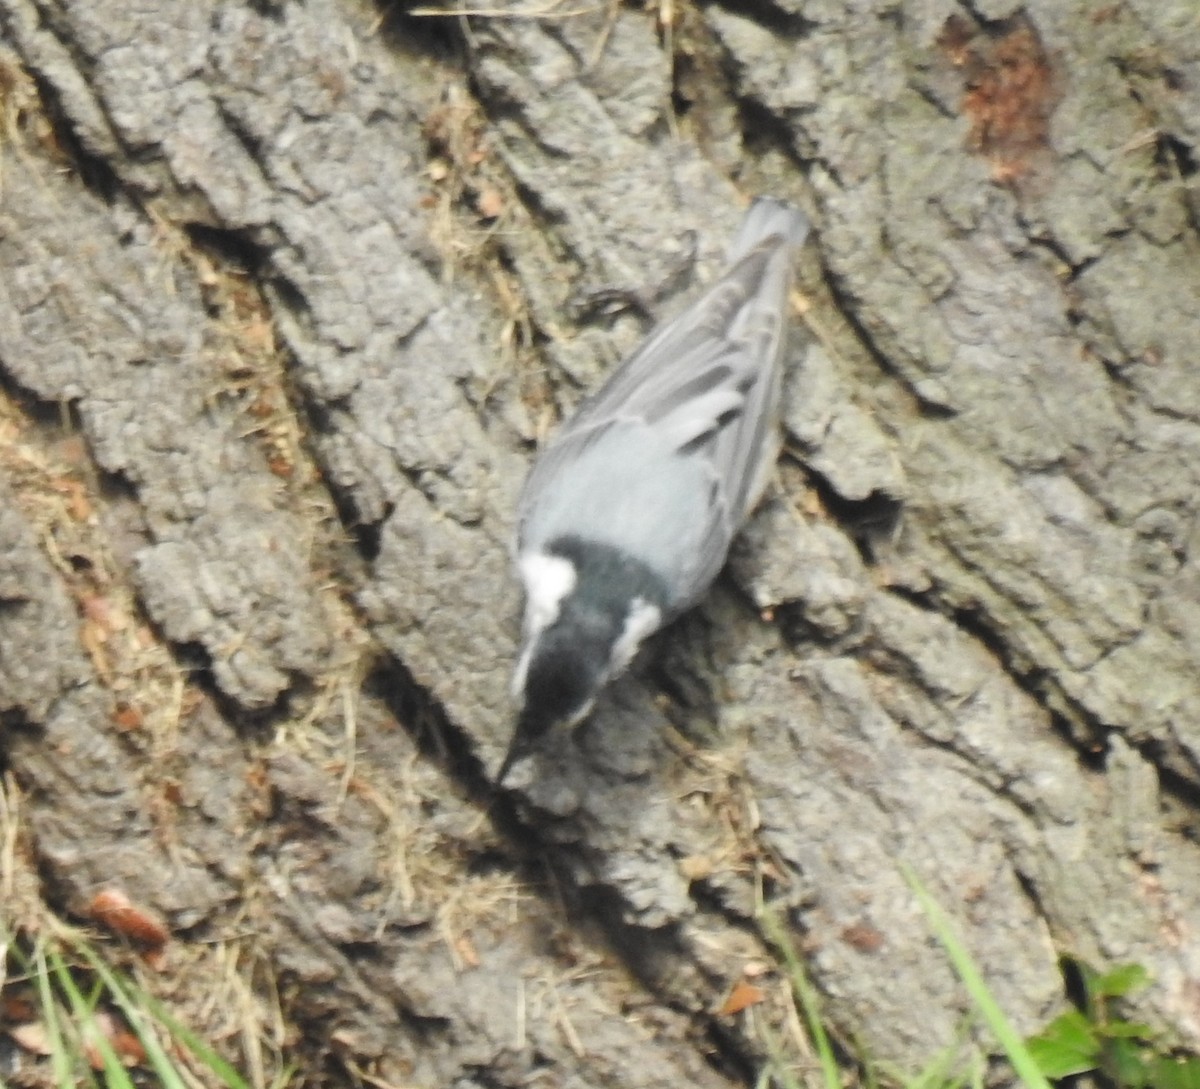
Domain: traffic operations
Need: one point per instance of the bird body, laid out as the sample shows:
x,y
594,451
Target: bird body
x,y
627,516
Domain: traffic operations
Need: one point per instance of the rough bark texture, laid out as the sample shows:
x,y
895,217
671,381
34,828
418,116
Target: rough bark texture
x,y
288,291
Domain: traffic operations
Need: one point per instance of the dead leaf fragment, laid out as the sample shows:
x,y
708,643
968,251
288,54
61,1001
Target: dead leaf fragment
x,y
466,950
696,867
490,203
741,997
113,909
125,1044
31,1037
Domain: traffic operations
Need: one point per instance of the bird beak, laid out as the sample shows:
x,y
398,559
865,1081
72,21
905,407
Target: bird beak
x,y
518,749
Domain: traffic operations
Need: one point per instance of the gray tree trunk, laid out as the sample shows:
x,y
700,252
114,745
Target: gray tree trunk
x,y
288,291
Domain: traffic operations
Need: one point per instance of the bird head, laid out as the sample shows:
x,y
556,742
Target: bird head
x,y
583,625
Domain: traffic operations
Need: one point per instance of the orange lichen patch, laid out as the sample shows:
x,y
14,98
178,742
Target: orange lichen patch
x,y
1011,92
863,937
127,716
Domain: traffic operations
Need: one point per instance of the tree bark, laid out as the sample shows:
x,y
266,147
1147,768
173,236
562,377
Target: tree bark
x,y
291,289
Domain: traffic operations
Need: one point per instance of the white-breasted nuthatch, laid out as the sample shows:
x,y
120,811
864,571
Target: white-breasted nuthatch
x,y
627,516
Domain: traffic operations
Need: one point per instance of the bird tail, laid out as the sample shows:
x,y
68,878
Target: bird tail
x,y
766,217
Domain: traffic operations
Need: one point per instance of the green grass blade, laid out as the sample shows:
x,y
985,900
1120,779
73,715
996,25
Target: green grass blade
x,y
1121,981
1010,1040
184,1035
775,1068
60,1054
1168,1073
163,1065
938,1073
810,1002
115,1074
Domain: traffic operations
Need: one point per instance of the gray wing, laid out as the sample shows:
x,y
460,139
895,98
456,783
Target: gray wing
x,y
704,388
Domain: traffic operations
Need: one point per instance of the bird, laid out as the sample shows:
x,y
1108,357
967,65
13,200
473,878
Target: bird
x,y
627,516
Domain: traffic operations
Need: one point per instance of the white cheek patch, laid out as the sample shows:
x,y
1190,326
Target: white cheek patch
x,y
643,620
548,581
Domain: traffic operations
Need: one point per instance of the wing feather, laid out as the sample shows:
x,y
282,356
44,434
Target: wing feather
x,y
706,385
